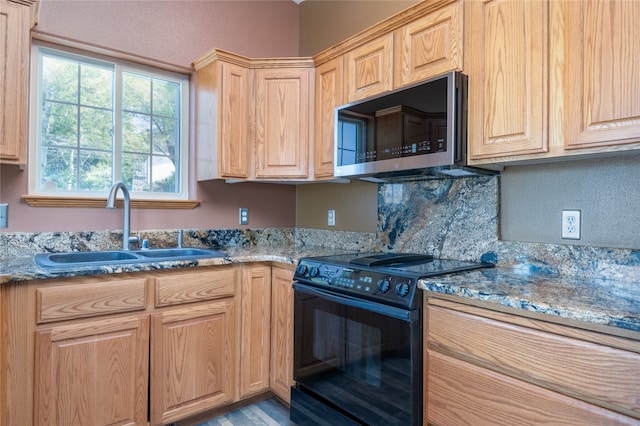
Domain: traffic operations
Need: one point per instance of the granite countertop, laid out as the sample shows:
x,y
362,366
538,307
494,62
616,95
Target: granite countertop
x,y
24,268
596,301
591,300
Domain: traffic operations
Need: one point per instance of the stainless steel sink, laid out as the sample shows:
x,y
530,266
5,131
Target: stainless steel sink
x,y
100,258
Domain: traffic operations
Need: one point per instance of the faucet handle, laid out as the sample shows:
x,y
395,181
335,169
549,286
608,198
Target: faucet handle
x,y
134,239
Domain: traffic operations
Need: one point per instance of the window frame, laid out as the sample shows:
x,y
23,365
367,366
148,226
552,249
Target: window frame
x,y
120,66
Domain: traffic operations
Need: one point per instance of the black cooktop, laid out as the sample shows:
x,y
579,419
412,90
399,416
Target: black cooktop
x,y
419,265
384,277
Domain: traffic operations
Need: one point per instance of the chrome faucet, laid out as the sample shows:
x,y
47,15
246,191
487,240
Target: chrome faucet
x,y
179,243
127,239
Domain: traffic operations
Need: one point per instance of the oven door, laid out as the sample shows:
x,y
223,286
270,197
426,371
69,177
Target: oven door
x,y
355,358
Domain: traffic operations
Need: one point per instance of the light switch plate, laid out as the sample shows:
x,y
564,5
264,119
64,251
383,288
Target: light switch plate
x,y
331,217
4,215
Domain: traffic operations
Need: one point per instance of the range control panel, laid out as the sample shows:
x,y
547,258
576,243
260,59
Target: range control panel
x,y
378,285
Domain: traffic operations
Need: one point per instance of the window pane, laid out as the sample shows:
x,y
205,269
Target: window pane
x,y
95,128
135,172
96,86
135,132
166,98
165,136
59,124
95,171
163,173
82,127
136,94
58,168
59,79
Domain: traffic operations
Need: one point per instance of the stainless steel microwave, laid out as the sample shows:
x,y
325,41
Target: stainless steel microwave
x,y
407,132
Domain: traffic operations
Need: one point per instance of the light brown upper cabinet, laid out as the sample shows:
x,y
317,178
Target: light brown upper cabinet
x,y
602,60
429,46
222,116
552,79
369,68
15,24
508,78
329,95
283,119
254,117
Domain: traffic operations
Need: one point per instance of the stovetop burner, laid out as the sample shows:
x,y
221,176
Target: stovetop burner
x,y
389,278
381,259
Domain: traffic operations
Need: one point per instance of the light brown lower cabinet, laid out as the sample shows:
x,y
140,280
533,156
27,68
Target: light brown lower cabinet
x,y
143,348
192,360
282,332
484,367
255,329
93,372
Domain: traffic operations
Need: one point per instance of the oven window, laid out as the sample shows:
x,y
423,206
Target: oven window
x,y
355,348
361,361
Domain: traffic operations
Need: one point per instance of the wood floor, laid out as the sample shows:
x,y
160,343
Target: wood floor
x,y
269,412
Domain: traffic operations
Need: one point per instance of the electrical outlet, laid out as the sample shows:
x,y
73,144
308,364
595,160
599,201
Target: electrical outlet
x,y
571,224
4,215
331,217
244,215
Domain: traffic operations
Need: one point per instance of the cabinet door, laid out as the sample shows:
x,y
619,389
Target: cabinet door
x,y
14,80
283,117
508,78
430,46
233,121
282,332
93,373
603,73
369,68
255,326
223,117
192,360
329,95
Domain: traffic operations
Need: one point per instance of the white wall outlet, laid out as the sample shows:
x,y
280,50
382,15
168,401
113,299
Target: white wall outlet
x,y
571,224
244,215
331,217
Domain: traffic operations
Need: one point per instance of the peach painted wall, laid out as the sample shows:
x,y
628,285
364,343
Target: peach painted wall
x,y
175,32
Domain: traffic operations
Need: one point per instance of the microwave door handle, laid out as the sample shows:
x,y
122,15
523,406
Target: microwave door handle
x,y
343,299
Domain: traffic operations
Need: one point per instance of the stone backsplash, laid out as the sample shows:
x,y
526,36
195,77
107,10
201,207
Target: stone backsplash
x,y
459,219
449,218
24,244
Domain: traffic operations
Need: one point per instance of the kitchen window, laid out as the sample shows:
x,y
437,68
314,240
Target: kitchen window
x,y
95,121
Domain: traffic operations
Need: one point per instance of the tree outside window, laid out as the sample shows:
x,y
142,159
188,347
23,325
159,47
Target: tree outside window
x,y
100,122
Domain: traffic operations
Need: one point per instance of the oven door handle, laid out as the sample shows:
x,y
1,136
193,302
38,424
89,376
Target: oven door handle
x,y
343,299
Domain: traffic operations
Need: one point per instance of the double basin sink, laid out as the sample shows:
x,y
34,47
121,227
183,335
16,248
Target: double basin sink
x,y
115,257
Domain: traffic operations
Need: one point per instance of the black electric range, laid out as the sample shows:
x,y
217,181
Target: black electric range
x,y
388,278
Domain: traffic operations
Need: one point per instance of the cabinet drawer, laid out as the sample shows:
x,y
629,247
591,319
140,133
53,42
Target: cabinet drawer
x,y
173,289
88,299
460,393
603,375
